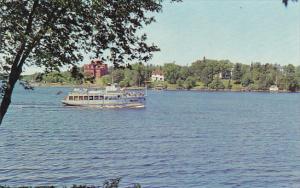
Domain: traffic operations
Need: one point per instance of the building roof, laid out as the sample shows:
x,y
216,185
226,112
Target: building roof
x,y
158,72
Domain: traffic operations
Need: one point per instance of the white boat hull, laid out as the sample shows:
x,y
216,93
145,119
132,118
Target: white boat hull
x,y
122,103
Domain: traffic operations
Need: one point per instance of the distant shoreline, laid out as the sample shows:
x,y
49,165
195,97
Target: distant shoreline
x,y
230,90
170,89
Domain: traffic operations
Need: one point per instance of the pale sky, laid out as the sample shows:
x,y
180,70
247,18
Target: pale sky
x,y
239,30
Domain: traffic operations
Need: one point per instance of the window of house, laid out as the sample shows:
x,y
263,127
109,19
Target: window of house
x,y
70,98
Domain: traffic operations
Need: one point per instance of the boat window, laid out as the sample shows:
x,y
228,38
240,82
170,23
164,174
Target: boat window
x,y
75,98
96,97
80,98
70,98
85,97
106,98
101,97
90,98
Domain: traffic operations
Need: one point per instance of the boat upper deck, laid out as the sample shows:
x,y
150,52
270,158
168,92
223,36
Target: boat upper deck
x,y
112,92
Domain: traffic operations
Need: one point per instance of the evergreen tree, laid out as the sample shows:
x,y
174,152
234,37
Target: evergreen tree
x,y
237,73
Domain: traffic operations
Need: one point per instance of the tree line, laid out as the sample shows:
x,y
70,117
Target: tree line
x,y
201,74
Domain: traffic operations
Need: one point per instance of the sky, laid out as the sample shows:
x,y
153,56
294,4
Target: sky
x,y
242,31
239,30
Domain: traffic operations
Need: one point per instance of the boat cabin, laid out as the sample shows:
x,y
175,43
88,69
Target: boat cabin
x,y
93,97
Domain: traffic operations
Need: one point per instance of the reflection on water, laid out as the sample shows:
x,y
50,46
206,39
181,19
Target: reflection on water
x,y
181,139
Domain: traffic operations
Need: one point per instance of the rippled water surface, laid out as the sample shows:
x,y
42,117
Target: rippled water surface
x,y
181,139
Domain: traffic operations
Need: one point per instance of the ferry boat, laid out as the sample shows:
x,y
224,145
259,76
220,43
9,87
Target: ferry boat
x,y
110,97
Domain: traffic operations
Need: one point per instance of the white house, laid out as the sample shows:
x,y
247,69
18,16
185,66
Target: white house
x,y
157,75
273,88
225,75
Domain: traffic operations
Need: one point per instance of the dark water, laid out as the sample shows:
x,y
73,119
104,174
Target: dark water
x,y
181,139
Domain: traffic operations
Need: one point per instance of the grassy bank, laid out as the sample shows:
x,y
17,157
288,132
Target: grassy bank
x,y
169,87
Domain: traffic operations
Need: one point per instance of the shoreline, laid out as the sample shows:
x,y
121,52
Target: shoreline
x,y
229,90
170,89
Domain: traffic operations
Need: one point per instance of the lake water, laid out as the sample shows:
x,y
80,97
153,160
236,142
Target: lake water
x,y
181,139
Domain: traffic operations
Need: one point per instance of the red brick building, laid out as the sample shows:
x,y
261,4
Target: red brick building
x,y
96,68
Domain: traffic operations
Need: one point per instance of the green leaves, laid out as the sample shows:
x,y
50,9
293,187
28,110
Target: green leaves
x,y
171,72
62,30
285,2
237,73
216,84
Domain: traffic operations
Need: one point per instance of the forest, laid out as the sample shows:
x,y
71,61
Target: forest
x,y
202,74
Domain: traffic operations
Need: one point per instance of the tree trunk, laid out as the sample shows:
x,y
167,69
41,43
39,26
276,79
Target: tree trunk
x,y
6,100
16,68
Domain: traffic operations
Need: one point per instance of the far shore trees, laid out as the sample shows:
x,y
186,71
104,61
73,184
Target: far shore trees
x,y
237,73
200,75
